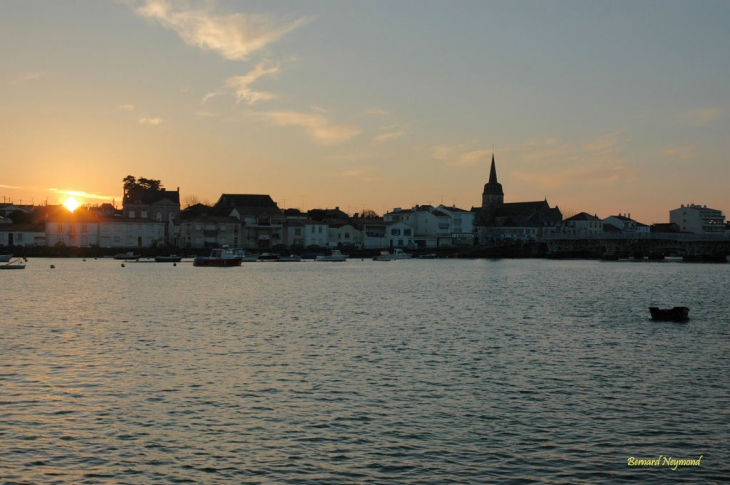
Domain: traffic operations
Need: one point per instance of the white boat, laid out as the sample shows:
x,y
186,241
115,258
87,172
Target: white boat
x,y
14,264
384,256
130,256
400,254
336,255
220,257
4,258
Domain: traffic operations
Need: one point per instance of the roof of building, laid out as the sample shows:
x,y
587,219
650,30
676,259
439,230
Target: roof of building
x,y
246,200
148,197
538,213
583,216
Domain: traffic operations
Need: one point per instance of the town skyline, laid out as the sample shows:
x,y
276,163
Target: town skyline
x,y
606,108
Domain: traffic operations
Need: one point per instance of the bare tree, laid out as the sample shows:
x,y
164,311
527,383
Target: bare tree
x,y
190,200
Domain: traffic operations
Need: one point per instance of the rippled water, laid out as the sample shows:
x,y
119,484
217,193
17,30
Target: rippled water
x,y
440,371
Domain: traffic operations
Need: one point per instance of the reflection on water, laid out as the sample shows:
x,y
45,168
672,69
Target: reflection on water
x,y
441,371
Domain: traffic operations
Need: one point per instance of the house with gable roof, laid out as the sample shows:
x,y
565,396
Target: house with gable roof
x,y
583,224
262,218
624,223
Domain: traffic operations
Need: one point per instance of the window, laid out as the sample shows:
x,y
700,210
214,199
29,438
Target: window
x,y
395,232
406,232
59,227
131,214
159,216
320,229
144,214
223,227
297,231
19,236
84,228
347,235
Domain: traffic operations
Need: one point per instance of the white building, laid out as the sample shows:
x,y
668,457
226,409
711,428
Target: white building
x,y
583,224
116,232
698,219
436,226
625,223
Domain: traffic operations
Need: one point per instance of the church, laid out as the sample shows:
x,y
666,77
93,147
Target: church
x,y
519,220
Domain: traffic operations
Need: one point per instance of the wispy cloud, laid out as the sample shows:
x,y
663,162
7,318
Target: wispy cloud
x,y
361,173
85,195
683,153
700,117
594,162
233,36
377,111
150,121
461,154
27,77
315,124
9,187
595,174
240,87
390,136
127,107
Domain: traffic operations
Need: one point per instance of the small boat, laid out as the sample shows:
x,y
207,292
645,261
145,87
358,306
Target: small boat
x,y
249,258
14,264
428,256
676,314
173,258
290,258
220,257
4,258
130,256
336,255
400,254
384,256
268,257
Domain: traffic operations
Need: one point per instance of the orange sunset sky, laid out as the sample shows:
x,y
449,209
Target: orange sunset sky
x,y
603,107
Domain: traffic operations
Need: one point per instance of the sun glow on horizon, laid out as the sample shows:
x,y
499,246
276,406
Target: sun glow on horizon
x,y
71,204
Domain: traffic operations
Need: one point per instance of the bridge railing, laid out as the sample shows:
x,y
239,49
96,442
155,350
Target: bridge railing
x,y
634,236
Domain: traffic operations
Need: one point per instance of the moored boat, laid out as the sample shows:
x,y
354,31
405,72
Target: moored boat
x,y
290,258
4,258
220,257
130,256
173,258
335,255
676,314
428,256
384,256
400,254
14,264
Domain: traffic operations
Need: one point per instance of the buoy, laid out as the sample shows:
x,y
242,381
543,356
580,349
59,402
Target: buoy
x,y
122,265
84,259
53,266
174,264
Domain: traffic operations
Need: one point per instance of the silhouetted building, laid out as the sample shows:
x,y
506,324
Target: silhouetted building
x,y
513,219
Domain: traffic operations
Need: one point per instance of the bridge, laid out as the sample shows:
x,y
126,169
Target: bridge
x,y
658,245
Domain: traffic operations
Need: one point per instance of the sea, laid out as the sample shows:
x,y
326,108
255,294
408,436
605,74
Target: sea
x,y
447,371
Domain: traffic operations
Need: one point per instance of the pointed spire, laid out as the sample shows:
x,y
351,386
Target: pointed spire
x,y
493,172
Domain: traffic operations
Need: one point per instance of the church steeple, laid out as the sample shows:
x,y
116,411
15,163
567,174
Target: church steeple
x,y
493,173
493,195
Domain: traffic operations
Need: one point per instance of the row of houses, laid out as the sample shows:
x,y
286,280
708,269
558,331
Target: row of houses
x,y
151,216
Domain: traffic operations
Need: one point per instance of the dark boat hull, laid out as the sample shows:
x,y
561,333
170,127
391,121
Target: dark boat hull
x,y
218,263
676,314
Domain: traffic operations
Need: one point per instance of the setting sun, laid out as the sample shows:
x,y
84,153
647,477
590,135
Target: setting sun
x,y
71,204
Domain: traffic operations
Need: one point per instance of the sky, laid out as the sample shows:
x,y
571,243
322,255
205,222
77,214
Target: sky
x,y
608,107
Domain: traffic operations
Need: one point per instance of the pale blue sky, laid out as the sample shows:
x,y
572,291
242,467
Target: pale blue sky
x,y
602,107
